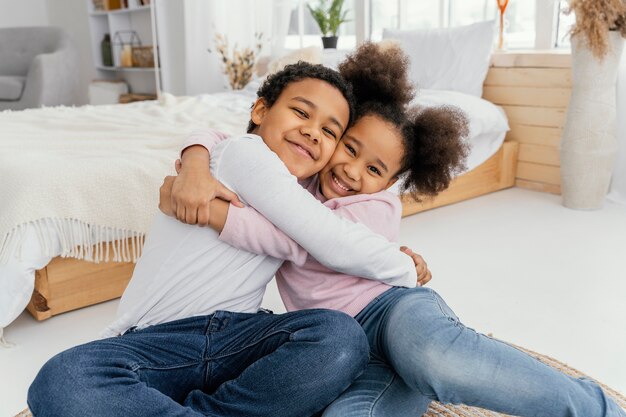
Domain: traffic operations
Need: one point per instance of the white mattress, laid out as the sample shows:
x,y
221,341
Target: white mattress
x,y
487,127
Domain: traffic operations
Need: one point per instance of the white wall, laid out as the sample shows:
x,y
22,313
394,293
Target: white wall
x,y
23,13
72,16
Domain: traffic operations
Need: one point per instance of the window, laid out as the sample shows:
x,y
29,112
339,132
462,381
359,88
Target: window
x,y
383,14
564,24
519,26
528,23
420,14
466,12
429,14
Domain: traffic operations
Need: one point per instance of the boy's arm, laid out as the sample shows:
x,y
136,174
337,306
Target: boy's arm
x,y
258,176
195,187
246,229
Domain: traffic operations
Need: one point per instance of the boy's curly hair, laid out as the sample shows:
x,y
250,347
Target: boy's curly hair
x,y
275,83
435,149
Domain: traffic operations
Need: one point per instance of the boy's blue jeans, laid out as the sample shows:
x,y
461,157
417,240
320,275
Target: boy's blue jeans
x,y
225,364
421,352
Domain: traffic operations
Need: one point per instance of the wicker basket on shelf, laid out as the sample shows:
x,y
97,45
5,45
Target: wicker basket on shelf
x,y
143,56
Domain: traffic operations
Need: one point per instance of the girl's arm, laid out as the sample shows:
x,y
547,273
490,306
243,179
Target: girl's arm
x,y
247,229
207,138
256,174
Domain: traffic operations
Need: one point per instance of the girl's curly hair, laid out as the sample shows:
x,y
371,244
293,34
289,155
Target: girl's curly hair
x,y
378,74
275,83
433,138
435,146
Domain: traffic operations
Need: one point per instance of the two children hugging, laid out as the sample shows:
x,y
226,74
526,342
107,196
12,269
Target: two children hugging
x,y
420,351
192,340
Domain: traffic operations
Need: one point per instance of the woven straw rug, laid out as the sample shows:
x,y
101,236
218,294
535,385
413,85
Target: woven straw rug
x,y
440,410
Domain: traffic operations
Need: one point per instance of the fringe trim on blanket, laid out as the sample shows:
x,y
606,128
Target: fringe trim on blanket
x,y
71,238
3,342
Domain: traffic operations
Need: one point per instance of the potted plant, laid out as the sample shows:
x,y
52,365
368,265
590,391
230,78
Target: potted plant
x,y
589,142
329,18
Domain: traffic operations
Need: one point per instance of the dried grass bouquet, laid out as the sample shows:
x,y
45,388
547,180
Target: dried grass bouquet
x,y
594,20
238,65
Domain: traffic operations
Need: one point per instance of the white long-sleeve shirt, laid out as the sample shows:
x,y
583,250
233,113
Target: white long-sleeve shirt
x,y
186,270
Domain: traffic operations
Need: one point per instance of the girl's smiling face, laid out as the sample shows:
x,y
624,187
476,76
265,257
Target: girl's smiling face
x,y
367,159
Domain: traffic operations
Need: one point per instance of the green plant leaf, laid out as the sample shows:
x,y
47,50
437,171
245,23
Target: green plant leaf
x,y
328,17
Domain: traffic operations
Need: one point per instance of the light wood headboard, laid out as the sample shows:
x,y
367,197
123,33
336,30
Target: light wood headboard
x,y
534,88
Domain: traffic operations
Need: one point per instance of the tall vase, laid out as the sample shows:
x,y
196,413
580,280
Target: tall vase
x,y
589,143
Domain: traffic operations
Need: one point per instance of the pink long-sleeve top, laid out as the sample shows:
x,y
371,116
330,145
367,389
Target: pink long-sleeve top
x,y
302,281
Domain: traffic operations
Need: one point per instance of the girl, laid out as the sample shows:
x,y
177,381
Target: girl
x,y
420,351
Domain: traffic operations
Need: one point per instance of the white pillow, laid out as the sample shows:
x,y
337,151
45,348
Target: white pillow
x,y
483,115
487,122
448,59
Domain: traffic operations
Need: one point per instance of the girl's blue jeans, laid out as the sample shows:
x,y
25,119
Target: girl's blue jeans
x,y
225,364
421,352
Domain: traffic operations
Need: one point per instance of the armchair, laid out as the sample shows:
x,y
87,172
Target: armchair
x,y
38,67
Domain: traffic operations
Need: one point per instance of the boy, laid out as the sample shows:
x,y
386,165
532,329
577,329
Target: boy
x,y
192,340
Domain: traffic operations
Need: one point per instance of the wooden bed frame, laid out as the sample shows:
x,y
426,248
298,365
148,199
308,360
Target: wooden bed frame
x,y
533,88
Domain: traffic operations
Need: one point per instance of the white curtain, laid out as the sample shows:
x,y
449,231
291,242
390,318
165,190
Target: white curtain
x,y
239,20
617,192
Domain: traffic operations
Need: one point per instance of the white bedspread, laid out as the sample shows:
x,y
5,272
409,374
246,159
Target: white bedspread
x,y
78,176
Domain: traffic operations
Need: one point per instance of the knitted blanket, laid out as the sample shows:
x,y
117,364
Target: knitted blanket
x,y
90,174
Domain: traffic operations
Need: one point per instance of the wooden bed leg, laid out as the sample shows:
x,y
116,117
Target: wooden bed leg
x,y
67,284
508,164
38,305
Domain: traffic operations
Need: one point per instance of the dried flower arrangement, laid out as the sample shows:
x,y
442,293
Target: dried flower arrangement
x,y
594,20
238,65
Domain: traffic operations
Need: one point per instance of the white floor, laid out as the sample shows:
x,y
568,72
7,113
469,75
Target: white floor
x,y
515,263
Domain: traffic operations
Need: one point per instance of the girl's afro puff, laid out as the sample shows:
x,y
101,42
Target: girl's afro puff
x,y
435,149
378,73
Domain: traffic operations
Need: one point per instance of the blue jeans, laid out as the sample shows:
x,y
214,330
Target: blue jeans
x,y
421,352
225,364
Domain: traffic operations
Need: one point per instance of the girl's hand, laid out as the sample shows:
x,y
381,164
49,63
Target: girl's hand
x,y
165,196
423,273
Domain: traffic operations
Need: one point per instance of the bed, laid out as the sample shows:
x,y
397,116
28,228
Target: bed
x,y
50,280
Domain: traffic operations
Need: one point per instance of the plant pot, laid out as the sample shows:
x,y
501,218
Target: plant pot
x,y
329,42
589,143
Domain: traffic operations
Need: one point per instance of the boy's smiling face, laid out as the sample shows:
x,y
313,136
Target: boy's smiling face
x,y
304,125
366,161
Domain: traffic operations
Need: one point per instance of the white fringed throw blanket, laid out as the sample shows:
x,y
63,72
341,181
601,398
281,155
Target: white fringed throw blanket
x,y
91,174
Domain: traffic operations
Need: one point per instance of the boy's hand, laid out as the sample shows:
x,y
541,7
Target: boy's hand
x,y
423,273
192,191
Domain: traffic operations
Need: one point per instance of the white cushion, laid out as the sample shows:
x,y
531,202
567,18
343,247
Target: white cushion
x,y
448,59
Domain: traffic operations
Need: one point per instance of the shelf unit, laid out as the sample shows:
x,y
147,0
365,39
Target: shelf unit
x,y
136,17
